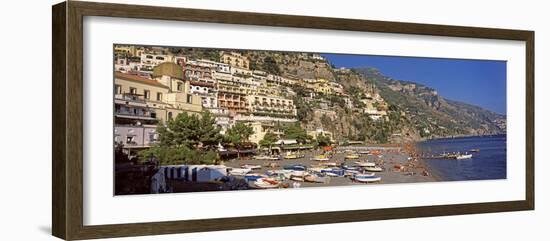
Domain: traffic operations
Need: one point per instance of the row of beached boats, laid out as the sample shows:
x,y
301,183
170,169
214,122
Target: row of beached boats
x,y
288,156
360,172
322,157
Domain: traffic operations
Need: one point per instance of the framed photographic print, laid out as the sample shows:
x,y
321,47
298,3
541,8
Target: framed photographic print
x,y
171,120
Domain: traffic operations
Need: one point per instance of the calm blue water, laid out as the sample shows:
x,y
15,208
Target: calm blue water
x,y
488,163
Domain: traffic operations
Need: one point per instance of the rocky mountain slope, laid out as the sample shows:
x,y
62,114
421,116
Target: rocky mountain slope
x,y
433,115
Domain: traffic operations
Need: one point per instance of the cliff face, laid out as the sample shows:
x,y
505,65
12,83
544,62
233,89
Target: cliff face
x,y
433,115
287,64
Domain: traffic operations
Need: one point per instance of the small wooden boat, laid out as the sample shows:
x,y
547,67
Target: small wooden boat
x,y
239,171
262,157
375,152
346,167
474,150
373,169
321,158
297,178
315,178
352,156
334,172
351,172
318,169
367,174
329,164
293,156
367,178
462,157
366,164
266,183
331,174
251,166
296,167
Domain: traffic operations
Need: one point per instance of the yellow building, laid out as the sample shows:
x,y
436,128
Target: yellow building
x,y
271,106
260,128
171,75
323,88
235,59
167,94
129,50
153,92
320,131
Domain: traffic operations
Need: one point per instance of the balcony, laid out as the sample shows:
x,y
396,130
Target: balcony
x,y
130,99
137,116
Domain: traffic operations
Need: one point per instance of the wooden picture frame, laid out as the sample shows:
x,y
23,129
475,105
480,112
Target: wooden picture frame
x,y
67,123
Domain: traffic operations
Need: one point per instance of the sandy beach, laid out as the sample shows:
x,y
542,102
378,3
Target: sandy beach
x,y
410,170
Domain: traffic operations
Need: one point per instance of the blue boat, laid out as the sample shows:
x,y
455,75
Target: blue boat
x,y
297,167
334,172
252,177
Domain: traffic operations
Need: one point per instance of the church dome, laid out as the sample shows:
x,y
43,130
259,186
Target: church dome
x,y
169,69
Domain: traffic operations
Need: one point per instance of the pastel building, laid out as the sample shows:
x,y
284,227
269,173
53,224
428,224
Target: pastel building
x,y
235,59
271,106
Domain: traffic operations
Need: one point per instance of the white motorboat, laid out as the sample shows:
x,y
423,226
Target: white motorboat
x,y
373,169
266,183
251,166
239,171
265,157
462,157
366,164
298,173
367,178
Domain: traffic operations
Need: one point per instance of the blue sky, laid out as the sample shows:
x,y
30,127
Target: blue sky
x,y
477,82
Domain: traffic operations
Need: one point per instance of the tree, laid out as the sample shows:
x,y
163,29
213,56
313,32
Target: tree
x,y
296,132
269,139
187,139
322,140
238,134
209,132
191,131
271,66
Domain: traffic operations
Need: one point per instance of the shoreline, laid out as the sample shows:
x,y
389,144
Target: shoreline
x,y
436,176
459,137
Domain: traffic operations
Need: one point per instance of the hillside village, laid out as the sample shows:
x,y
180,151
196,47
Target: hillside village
x,y
153,85
269,91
